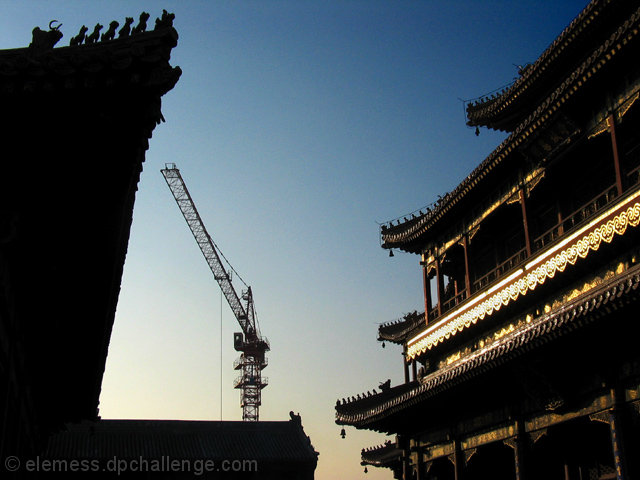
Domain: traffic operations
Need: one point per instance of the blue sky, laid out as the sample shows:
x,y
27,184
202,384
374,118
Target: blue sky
x,y
297,126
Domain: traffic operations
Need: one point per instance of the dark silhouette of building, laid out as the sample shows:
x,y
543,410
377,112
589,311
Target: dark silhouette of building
x,y
525,363
75,125
184,449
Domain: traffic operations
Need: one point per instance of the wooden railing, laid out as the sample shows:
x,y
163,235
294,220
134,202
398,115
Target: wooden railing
x,y
499,271
576,219
455,300
633,177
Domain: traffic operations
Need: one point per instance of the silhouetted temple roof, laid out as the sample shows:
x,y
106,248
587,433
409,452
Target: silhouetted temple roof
x,y
372,412
605,44
264,441
135,63
76,122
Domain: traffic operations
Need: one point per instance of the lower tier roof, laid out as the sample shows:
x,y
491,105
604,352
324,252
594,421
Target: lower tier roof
x,y
372,412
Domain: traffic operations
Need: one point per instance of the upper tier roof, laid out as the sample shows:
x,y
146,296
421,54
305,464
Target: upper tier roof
x,y
136,61
512,105
613,39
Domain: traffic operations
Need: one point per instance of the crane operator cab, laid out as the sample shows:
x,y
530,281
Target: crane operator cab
x,y
238,341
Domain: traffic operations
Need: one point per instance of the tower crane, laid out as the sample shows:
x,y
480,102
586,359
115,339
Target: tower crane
x,y
249,342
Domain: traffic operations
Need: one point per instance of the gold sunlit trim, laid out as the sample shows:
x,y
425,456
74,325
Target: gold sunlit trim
x,y
536,272
572,237
501,283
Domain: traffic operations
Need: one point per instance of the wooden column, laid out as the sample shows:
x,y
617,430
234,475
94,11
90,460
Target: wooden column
x,y
519,451
617,438
611,123
427,293
420,474
439,285
406,469
403,444
467,273
525,221
406,368
458,461
414,370
559,218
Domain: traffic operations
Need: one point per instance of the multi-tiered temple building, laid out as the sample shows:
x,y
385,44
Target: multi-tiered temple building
x,y
525,363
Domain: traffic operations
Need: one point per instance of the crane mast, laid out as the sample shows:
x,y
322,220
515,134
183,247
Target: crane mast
x,y
249,342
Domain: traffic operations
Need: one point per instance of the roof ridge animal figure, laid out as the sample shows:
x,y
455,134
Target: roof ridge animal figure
x,y
42,40
78,39
111,32
142,24
126,30
94,36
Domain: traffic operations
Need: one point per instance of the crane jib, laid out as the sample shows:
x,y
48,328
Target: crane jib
x,y
253,347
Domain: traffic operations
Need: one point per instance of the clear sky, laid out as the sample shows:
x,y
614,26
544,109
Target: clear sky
x,y
297,126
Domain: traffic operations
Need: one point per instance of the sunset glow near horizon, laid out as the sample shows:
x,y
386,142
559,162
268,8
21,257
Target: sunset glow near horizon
x,y
298,127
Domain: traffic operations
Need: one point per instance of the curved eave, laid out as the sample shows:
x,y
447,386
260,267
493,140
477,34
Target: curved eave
x,y
410,235
400,330
503,111
541,330
353,406
386,455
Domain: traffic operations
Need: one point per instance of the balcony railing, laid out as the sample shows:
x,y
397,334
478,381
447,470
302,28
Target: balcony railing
x,y
453,301
575,220
633,177
499,271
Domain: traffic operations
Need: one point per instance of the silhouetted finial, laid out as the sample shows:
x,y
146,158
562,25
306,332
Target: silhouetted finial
x,y
43,40
165,21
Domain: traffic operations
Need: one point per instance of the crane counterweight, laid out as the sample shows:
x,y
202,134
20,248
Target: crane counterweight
x,y
249,342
